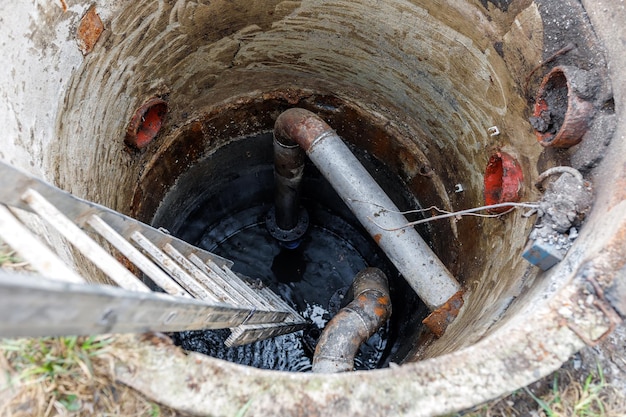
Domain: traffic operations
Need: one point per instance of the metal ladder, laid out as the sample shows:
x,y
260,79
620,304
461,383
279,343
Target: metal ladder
x,y
200,290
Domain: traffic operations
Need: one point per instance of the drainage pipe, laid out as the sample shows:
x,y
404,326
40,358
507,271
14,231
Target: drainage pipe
x,y
413,258
354,324
288,170
286,221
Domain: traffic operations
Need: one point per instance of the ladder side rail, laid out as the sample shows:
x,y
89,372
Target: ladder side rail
x,y
14,183
32,306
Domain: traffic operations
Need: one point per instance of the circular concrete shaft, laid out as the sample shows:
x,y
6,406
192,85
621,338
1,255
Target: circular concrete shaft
x,y
418,85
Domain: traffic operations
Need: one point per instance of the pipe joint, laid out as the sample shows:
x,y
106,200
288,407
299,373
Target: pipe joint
x,y
288,238
300,126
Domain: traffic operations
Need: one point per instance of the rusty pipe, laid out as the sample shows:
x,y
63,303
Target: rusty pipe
x,y
288,170
354,324
563,113
419,265
286,221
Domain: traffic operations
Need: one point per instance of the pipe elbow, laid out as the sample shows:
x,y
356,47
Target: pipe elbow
x,y
301,127
354,324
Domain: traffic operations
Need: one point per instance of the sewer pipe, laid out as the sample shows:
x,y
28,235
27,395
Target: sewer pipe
x,y
288,170
404,247
286,221
354,324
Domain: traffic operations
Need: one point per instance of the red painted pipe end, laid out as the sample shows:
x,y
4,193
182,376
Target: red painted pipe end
x,y
146,123
560,117
503,181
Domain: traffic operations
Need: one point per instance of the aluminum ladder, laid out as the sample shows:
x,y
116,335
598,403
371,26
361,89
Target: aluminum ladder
x,y
199,289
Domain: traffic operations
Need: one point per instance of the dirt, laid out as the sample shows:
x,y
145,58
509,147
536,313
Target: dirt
x,y
551,120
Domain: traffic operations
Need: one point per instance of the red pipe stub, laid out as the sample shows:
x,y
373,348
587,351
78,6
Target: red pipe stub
x,y
503,181
146,123
560,117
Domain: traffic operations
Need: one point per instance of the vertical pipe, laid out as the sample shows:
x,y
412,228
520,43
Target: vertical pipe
x,y
289,161
421,268
286,221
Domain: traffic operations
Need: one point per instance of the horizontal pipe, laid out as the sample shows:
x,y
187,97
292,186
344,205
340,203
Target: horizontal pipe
x,y
354,324
410,254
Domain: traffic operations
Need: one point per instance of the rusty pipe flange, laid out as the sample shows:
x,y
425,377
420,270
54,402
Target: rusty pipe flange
x,y
146,123
561,117
289,239
438,320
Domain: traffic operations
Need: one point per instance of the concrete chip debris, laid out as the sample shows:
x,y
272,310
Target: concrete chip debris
x,y
561,212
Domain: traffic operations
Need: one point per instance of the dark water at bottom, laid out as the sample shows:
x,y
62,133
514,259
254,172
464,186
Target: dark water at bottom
x,y
315,279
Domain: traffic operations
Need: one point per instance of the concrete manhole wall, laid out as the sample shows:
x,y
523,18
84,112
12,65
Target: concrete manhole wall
x,y
417,85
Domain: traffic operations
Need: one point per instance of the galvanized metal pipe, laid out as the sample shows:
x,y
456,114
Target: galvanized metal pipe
x,y
354,324
419,265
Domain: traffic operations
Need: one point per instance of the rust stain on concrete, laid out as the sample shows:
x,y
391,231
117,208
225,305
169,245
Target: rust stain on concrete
x,y
89,31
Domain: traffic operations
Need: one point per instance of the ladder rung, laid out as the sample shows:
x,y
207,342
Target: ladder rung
x,y
265,314
155,273
279,302
19,237
87,246
165,262
220,281
198,275
259,300
235,281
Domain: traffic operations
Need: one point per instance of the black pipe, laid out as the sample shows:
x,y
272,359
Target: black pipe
x,y
288,169
354,324
287,222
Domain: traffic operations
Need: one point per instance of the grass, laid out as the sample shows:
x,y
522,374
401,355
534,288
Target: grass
x,y
8,259
67,376
560,395
589,398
